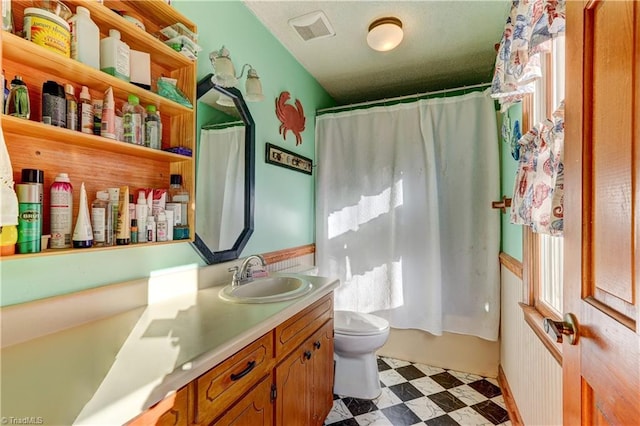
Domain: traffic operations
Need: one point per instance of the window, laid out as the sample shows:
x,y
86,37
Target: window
x,y
543,254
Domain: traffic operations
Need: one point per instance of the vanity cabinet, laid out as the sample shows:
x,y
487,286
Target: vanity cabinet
x,y
283,378
101,162
304,381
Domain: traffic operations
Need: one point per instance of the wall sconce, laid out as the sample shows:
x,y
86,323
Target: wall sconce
x,y
225,75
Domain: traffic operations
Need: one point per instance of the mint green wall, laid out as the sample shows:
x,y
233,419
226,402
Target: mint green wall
x,y
284,198
511,242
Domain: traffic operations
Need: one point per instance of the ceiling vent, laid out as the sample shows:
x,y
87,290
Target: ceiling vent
x,y
312,26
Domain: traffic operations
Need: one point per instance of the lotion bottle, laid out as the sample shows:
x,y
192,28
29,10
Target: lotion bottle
x,y
82,233
101,220
142,211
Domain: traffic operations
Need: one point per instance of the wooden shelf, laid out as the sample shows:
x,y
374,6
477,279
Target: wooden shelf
x,y
31,55
28,128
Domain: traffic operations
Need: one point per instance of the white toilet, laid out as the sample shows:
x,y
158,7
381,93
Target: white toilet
x,y
357,337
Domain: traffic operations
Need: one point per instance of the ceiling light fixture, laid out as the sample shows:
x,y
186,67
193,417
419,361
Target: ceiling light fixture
x,y
385,34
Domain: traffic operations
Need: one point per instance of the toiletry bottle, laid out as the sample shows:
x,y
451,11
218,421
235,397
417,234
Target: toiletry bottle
x,y
133,120
142,211
159,129
61,212
54,109
134,231
82,233
123,230
97,116
114,197
101,220
115,56
5,95
72,107
161,227
29,218
17,103
179,194
85,111
152,128
108,121
35,177
132,207
170,222
151,229
85,38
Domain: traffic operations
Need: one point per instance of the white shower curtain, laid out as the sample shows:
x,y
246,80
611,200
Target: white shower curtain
x,y
220,189
404,214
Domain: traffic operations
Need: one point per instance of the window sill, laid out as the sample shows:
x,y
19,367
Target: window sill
x,y
534,319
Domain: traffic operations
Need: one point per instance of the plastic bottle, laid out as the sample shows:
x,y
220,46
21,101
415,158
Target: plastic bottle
x,y
108,120
132,121
151,229
162,227
159,128
72,107
114,197
54,109
152,128
61,212
114,56
17,102
5,95
82,233
142,211
97,116
101,220
85,38
179,194
85,111
134,231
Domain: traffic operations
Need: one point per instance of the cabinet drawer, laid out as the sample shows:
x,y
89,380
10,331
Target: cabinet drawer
x,y
297,329
171,411
221,386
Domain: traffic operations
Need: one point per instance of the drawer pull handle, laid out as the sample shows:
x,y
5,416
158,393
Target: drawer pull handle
x,y
317,344
250,366
307,354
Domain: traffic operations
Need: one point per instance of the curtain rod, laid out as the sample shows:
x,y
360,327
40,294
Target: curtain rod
x,y
401,98
222,125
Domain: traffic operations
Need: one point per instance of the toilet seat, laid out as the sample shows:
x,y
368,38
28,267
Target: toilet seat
x,y
358,324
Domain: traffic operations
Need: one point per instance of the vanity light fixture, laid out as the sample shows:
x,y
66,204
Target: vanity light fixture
x,y
385,34
225,75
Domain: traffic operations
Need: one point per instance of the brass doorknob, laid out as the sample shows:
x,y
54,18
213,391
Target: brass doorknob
x,y
568,327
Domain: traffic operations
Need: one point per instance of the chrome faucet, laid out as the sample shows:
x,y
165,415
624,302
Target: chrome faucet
x,y
242,274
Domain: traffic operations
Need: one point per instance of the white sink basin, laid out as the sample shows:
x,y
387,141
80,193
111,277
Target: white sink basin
x,y
266,290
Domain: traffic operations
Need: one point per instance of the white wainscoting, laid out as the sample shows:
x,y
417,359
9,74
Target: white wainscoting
x,y
533,375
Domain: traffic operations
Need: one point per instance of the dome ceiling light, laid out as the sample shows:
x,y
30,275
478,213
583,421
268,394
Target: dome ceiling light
x,y
385,34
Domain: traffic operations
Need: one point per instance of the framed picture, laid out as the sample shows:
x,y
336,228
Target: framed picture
x,y
284,158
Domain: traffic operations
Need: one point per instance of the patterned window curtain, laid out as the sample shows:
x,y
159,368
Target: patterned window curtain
x,y
539,186
528,32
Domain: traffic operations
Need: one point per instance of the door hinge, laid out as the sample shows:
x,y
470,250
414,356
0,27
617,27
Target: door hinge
x,y
274,392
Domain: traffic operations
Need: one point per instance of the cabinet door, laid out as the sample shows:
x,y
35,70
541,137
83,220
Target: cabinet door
x,y
293,382
171,411
254,409
322,358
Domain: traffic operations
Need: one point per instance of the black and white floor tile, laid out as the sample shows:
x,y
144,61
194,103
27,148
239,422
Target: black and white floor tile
x,y
418,394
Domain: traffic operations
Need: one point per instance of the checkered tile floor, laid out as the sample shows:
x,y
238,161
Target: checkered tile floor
x,y
417,394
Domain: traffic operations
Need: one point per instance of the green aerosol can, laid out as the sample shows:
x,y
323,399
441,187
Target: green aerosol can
x,y
29,218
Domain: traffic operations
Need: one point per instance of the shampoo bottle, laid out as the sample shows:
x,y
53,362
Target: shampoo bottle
x,y
142,211
123,230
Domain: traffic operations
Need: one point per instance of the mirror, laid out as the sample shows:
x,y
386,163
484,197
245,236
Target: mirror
x,y
225,174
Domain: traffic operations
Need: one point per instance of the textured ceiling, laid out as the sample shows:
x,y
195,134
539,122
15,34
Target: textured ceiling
x,y
446,44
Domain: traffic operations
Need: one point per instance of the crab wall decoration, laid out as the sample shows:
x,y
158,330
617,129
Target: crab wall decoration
x,y
291,117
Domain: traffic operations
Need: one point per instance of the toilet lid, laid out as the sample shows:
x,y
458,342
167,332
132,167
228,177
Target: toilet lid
x,y
357,323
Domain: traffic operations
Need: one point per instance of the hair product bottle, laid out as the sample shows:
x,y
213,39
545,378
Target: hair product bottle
x,y
82,233
85,111
101,220
61,212
152,128
29,218
72,107
54,110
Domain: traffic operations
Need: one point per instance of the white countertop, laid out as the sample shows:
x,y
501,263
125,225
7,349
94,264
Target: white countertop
x,y
108,371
